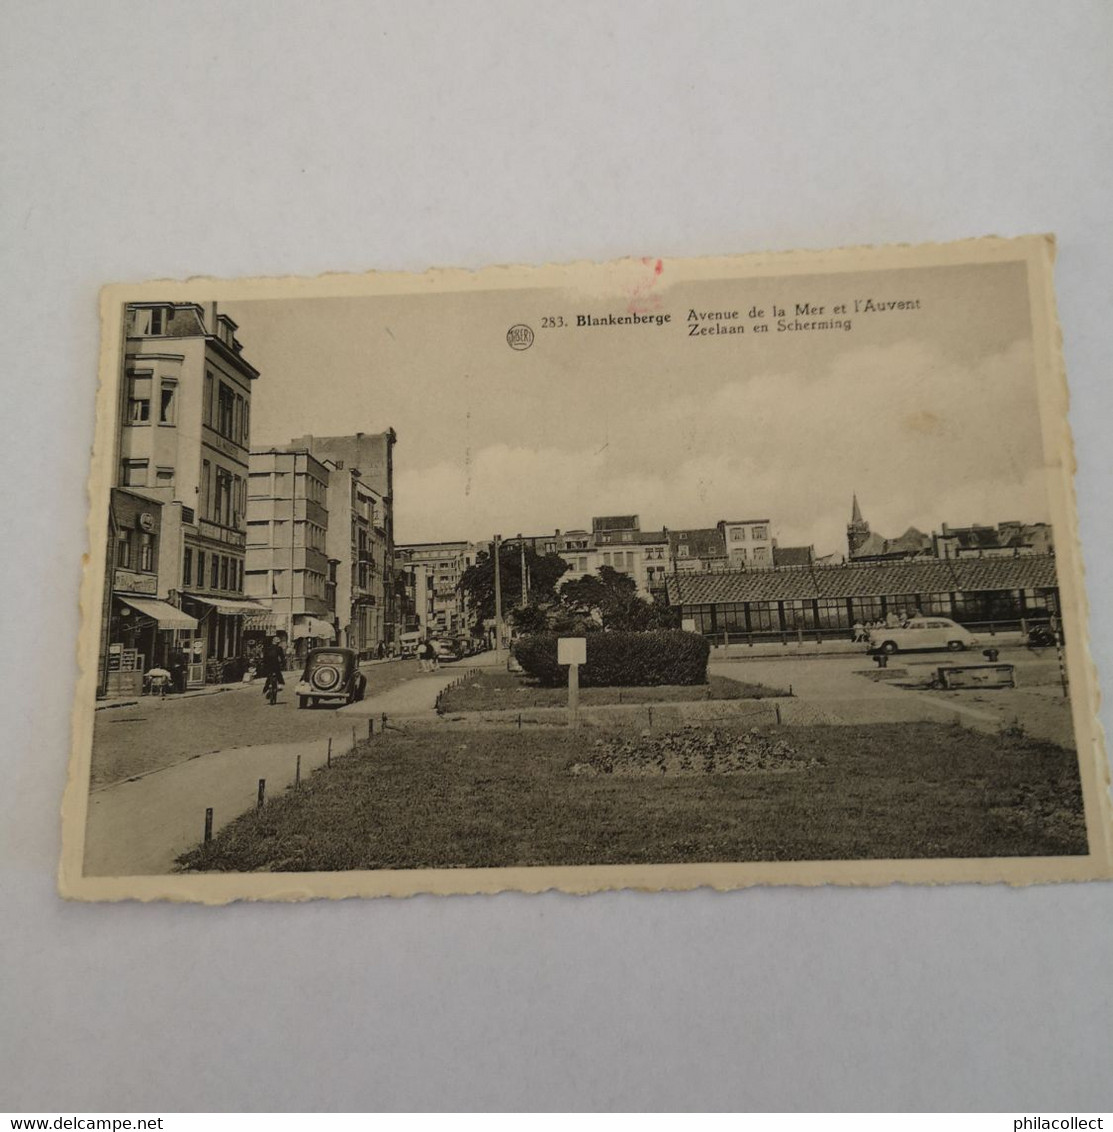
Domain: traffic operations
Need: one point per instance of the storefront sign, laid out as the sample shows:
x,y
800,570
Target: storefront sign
x,y
128,582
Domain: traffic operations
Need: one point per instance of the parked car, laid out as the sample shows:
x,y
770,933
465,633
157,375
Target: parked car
x,y
331,675
922,633
448,648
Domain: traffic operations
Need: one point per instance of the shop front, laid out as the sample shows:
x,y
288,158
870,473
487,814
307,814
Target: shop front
x,y
218,653
144,633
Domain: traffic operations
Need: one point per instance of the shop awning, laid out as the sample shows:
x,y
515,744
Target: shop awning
x,y
314,627
262,620
167,616
233,606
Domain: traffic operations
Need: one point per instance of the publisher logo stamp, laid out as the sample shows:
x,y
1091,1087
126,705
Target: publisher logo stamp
x,y
519,337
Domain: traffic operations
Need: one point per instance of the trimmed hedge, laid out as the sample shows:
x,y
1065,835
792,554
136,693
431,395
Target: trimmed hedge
x,y
617,659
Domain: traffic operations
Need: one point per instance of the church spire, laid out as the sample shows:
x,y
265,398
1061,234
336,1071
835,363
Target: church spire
x,y
857,530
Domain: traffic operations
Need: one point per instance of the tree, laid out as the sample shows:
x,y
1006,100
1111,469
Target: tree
x,y
612,599
478,581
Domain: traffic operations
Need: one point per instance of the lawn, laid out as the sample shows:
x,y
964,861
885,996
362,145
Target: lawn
x,y
486,798
490,691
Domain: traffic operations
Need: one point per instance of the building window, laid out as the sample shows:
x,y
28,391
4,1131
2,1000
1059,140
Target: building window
x,y
761,554
224,573
207,407
139,400
164,477
226,410
146,552
135,473
760,532
167,402
214,571
738,534
223,513
187,567
682,550
123,550
201,569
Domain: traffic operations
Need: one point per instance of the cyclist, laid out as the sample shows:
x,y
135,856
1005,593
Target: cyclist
x,y
274,662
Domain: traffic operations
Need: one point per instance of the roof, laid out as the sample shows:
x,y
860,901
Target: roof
x,y
920,576
630,538
793,555
702,542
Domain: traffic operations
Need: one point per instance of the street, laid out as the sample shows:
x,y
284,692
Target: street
x,y
167,771
157,733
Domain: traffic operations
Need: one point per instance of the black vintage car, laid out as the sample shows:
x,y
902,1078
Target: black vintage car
x,y
332,675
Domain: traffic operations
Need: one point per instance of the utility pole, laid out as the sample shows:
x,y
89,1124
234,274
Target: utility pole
x,y
498,600
525,577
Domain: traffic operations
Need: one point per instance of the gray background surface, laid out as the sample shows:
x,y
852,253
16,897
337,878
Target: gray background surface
x,y
167,139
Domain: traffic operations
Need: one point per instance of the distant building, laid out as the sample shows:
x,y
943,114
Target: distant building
x,y
436,568
793,555
696,549
366,600
1008,539
867,546
287,563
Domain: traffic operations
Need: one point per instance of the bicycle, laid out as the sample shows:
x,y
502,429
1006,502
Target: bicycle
x,y
270,688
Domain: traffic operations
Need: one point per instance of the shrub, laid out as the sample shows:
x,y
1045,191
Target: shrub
x,y
620,659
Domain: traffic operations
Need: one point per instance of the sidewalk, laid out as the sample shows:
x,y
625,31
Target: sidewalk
x,y
796,647
140,826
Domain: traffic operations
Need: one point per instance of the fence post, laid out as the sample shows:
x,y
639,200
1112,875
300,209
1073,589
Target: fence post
x,y
353,738
262,792
777,709
208,825
370,726
383,728
297,773
328,757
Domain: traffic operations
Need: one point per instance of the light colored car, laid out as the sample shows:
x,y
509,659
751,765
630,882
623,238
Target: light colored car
x,y
922,633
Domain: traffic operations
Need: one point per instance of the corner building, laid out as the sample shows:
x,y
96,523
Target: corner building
x,y
185,412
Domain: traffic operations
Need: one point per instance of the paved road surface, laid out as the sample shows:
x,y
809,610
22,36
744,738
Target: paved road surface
x,y
140,826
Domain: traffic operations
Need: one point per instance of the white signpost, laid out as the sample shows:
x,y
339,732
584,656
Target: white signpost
x,y
573,652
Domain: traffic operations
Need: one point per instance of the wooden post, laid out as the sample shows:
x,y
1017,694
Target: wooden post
x,y
353,738
262,792
777,709
297,772
208,825
573,695
383,728
328,757
370,726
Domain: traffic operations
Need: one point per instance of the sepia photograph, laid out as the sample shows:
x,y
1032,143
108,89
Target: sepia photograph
x,y
646,574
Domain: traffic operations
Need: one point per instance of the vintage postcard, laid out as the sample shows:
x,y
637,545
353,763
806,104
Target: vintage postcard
x,y
653,574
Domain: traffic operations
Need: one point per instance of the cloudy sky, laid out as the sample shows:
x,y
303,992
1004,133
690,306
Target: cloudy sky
x,y
930,415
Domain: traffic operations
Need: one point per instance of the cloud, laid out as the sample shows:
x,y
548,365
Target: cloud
x,y
921,438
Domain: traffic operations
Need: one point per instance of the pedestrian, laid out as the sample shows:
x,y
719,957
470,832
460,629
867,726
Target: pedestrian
x,y
178,667
381,651
859,631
